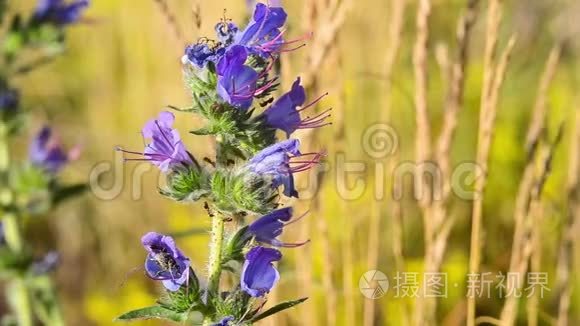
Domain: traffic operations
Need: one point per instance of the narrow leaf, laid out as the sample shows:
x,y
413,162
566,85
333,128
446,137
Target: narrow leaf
x,y
153,312
277,308
64,193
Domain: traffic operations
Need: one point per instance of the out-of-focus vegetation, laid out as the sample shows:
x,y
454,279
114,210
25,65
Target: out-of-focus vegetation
x,y
126,63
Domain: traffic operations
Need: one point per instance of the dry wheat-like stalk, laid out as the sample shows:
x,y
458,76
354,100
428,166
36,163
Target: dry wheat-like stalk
x,y
438,226
423,128
535,262
487,111
569,227
540,106
443,153
539,114
524,197
422,142
542,161
326,18
171,20
483,147
454,100
395,28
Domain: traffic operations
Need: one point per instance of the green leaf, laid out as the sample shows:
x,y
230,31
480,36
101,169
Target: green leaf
x,y
277,308
64,193
153,312
201,132
190,232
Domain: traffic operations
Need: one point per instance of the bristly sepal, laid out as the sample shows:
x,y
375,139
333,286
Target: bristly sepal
x,y
234,191
187,183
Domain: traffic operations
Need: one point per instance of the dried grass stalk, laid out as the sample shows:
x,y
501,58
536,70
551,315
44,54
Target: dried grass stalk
x,y
171,20
542,163
527,183
326,18
395,29
492,80
569,227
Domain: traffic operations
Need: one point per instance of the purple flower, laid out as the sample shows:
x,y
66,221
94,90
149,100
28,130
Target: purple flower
x,y
275,162
9,100
165,262
2,235
200,54
46,264
263,36
46,152
166,150
237,83
267,228
224,322
258,273
58,12
284,113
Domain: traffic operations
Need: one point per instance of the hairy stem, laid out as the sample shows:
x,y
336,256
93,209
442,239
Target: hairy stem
x,y
215,254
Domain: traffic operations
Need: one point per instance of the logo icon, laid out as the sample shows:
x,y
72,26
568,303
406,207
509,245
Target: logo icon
x,y
373,284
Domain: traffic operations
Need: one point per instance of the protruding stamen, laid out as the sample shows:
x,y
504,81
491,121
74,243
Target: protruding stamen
x,y
293,49
293,245
294,220
313,102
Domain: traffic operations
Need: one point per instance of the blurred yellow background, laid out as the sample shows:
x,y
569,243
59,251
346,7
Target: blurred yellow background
x,y
123,66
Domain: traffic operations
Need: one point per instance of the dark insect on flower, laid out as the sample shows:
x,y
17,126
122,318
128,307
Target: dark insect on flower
x,y
165,262
58,12
269,227
47,153
278,162
258,273
166,150
226,31
285,115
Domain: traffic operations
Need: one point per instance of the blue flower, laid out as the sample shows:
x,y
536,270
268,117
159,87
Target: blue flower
x,y
275,162
258,273
58,12
263,36
166,150
224,322
267,228
200,54
46,264
46,152
285,115
9,100
165,262
237,83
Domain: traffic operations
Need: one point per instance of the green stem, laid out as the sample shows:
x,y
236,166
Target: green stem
x,y
5,193
215,259
215,254
21,299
